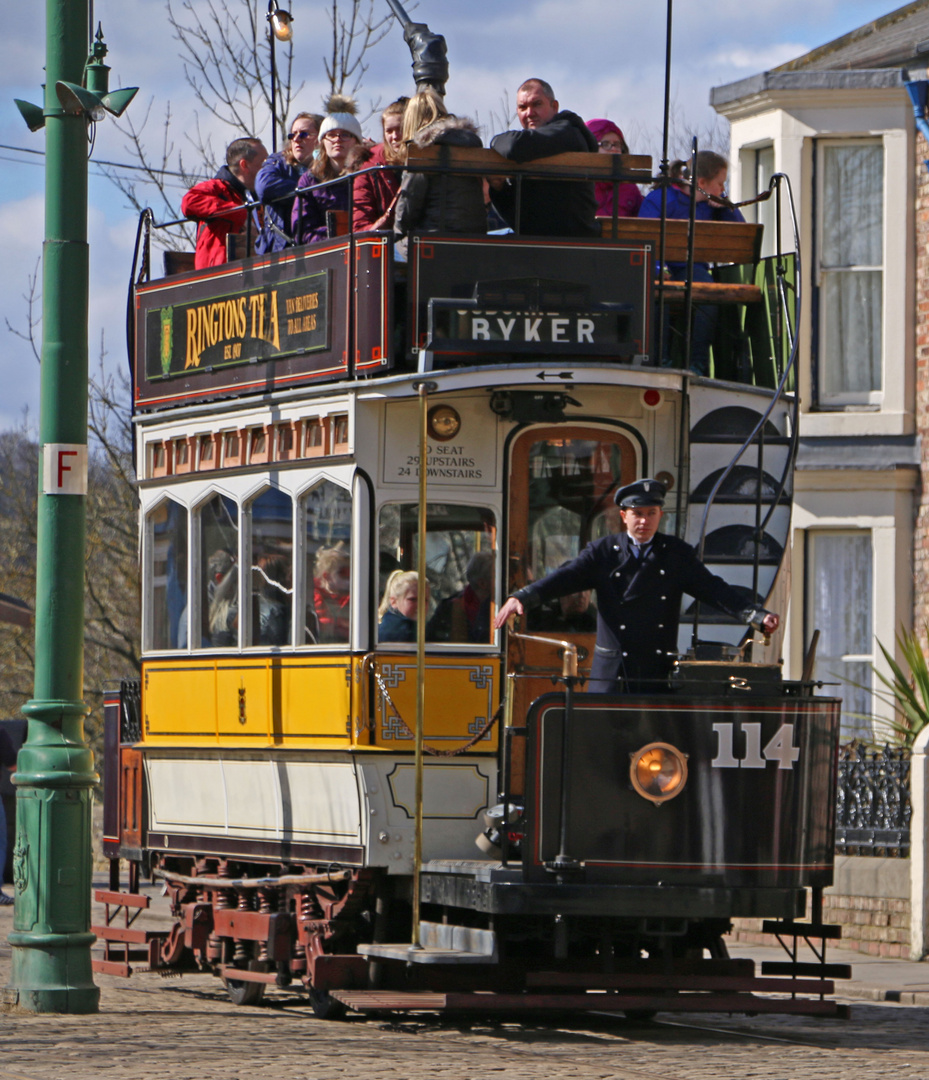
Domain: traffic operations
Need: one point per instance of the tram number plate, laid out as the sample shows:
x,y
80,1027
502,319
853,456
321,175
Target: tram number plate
x,y
779,748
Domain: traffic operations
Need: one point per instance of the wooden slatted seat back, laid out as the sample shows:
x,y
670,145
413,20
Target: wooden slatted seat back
x,y
714,241
579,166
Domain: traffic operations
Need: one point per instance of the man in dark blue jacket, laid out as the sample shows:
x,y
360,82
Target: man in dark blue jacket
x,y
547,207
640,577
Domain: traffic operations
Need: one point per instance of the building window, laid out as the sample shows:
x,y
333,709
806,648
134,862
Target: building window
x,y
850,275
840,605
757,170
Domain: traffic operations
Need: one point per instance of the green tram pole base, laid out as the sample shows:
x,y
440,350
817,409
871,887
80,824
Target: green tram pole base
x,y
52,864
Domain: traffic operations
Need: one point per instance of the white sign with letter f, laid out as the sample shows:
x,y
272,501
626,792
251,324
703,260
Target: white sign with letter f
x,y
64,469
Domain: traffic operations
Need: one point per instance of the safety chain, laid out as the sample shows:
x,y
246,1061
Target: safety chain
x,y
431,750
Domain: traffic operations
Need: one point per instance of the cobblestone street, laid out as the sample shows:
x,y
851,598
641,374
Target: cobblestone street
x,y
187,1028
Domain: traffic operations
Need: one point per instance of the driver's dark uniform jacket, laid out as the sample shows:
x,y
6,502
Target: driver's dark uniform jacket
x,y
638,605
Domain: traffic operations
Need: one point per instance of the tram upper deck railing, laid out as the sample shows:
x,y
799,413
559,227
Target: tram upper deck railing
x,y
343,308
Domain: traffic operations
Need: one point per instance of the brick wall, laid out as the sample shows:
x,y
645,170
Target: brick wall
x,y
876,925
921,534
870,900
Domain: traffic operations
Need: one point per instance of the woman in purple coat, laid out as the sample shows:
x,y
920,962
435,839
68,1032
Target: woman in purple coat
x,y
339,134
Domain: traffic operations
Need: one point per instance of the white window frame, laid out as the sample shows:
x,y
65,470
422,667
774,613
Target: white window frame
x,y
856,727
850,398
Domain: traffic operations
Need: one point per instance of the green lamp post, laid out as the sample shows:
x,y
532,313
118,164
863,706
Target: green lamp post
x,y
51,938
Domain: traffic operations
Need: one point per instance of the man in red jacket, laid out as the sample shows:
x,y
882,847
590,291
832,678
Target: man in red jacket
x,y
214,202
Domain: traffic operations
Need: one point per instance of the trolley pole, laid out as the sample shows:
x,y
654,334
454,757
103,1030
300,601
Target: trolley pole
x,y
51,938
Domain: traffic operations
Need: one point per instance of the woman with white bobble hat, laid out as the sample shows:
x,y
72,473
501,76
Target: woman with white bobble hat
x,y
339,134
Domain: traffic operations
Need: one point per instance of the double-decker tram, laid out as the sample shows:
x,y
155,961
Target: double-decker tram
x,y
550,848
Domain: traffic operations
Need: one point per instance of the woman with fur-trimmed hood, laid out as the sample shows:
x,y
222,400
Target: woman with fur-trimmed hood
x,y
433,202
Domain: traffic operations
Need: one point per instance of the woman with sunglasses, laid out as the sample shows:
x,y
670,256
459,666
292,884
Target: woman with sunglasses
x,y
278,178
610,140
339,134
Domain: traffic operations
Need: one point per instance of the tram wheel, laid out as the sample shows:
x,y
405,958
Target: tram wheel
x,y
244,993
324,1005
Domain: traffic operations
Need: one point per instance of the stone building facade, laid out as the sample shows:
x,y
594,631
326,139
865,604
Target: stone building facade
x,y
840,121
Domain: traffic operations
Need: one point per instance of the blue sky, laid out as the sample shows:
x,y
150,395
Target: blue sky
x,y
603,57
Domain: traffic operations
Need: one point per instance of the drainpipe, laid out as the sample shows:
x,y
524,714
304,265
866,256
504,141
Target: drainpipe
x,y
919,92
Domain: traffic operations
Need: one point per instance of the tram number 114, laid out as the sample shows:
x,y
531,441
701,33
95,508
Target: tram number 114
x,y
779,748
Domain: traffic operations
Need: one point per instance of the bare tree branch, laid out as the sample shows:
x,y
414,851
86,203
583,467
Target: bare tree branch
x,y
33,298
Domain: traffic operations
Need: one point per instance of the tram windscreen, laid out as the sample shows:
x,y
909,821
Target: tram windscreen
x,y
460,570
570,502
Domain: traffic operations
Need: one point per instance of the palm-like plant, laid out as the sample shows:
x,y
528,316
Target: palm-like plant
x,y
907,688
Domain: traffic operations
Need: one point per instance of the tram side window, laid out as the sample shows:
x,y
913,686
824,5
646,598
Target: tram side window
x,y
219,573
460,570
328,524
571,485
167,526
271,579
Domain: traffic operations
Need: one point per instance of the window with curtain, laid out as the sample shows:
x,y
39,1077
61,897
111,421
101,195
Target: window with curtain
x,y
840,606
850,271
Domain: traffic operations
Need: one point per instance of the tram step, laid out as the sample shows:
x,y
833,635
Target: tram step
x,y
122,899
488,1002
590,981
801,929
125,935
822,971
121,969
442,943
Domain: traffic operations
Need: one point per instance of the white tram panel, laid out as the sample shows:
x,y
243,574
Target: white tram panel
x,y
299,799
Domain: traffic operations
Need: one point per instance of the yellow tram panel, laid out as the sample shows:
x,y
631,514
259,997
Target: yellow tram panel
x,y
462,694
299,701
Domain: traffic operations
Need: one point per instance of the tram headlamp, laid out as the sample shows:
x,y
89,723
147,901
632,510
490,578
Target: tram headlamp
x,y
658,772
443,422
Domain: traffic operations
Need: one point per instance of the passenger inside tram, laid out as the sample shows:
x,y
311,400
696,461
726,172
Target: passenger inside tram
x,y
331,594
468,615
222,595
399,607
273,599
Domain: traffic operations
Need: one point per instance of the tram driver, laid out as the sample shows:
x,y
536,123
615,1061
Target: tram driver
x,y
640,576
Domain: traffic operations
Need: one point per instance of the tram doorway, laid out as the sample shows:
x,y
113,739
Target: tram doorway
x,y
561,484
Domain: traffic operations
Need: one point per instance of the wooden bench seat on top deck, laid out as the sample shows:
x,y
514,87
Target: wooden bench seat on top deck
x,y
714,241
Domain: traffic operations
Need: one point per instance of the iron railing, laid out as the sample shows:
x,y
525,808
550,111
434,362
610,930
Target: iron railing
x,y
873,808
